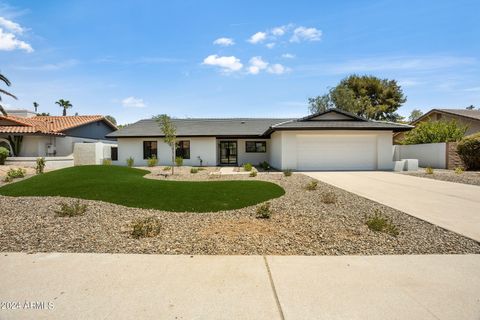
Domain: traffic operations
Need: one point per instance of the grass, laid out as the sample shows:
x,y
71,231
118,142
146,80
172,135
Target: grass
x,y
380,223
126,186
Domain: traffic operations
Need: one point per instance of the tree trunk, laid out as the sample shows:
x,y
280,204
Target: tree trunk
x,y
173,157
64,112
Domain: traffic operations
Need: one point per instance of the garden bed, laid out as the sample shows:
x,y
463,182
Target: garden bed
x,y
301,224
466,177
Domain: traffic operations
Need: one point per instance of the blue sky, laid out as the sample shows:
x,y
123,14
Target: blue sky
x,y
134,59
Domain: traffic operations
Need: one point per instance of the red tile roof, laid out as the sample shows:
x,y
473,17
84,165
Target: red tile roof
x,y
49,125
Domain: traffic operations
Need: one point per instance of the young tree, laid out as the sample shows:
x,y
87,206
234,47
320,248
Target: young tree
x,y
414,115
7,82
65,104
435,132
169,130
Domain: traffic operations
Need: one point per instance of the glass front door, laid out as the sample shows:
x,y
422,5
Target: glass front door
x,y
228,152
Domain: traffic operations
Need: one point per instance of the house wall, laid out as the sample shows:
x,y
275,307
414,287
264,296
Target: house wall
x,y
275,156
95,130
247,157
35,146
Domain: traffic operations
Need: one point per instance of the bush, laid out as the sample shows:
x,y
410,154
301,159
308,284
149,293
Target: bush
x,y
152,161
4,153
107,162
40,165
167,168
263,211
146,227
434,132
16,173
379,223
287,172
247,167
130,162
428,170
264,165
253,173
458,170
312,185
193,170
67,210
469,151
179,161
329,197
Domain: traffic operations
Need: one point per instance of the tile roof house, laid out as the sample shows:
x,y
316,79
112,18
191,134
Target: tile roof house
x,y
330,140
51,135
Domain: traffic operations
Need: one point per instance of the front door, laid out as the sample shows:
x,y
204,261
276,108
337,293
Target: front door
x,y
228,152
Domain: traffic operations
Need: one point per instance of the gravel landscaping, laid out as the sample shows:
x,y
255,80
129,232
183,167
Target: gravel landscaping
x,y
301,224
466,177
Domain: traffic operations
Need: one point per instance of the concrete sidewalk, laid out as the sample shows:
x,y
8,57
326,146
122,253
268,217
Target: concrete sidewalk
x,y
116,286
453,206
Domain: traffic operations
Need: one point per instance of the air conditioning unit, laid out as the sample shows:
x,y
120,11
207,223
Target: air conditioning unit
x,y
51,149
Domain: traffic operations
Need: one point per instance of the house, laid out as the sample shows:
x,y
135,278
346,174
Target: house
x,y
330,140
40,136
464,117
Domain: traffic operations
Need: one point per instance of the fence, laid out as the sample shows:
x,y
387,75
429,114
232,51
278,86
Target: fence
x,y
434,155
91,153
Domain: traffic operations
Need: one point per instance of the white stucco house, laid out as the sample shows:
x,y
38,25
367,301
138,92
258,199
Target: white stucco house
x,y
331,140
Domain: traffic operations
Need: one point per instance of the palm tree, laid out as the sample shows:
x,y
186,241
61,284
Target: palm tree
x,y
35,105
7,82
65,104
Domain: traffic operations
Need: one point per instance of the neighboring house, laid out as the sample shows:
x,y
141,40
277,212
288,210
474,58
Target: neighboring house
x,y
464,117
331,140
42,136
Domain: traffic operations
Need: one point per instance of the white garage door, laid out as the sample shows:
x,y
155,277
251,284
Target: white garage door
x,y
336,152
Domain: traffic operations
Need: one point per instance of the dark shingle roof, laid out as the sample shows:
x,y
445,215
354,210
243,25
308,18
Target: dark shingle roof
x,y
474,114
348,125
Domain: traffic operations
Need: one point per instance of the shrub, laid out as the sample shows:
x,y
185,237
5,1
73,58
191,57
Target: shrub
x,y
253,173
8,179
73,210
379,223
287,172
107,162
179,161
146,227
312,185
428,170
247,167
263,211
152,161
167,168
4,153
16,173
469,151
40,165
130,162
193,170
265,165
329,197
434,132
458,170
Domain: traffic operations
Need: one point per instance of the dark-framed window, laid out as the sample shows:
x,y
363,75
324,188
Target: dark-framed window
x,y
183,149
149,149
255,146
114,154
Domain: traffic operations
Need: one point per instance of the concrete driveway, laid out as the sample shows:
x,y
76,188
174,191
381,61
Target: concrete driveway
x,y
452,206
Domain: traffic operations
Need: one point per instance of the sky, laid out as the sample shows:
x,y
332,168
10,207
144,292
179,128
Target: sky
x,y
135,59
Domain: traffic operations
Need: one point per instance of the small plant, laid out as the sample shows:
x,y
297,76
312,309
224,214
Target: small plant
x,y
73,210
459,170
380,223
16,173
193,170
40,165
428,170
312,185
130,162
263,211
328,197
107,162
167,168
8,179
265,166
247,167
4,153
287,172
152,161
146,227
179,161
253,173
201,161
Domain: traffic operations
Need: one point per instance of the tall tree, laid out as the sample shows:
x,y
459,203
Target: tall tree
x,y
65,104
170,133
111,119
35,106
415,114
8,83
365,96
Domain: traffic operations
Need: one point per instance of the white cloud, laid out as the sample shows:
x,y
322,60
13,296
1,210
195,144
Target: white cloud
x,y
256,65
288,56
306,34
279,31
11,26
258,37
227,63
277,69
224,42
132,102
9,42
50,66
270,45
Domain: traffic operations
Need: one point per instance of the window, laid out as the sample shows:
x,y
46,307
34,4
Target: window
x,y
183,149
149,149
255,146
114,154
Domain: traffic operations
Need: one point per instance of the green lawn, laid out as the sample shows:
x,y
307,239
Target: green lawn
x,y
126,186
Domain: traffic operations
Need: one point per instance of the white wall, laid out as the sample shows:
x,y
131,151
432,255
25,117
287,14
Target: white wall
x,y
243,157
276,150
429,155
133,147
35,146
91,153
